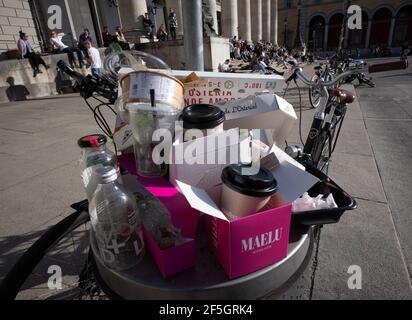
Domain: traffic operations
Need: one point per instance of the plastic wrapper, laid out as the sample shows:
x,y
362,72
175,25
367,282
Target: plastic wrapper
x,y
157,221
307,203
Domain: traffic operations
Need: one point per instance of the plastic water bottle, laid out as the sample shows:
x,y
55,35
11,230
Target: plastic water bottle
x,y
116,222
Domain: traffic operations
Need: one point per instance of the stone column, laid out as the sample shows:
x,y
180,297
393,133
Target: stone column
x,y
368,34
274,21
346,41
245,31
266,19
176,5
229,18
132,14
193,37
391,31
256,13
213,12
325,39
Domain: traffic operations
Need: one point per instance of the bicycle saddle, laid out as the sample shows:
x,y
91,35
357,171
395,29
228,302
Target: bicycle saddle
x,y
344,96
317,68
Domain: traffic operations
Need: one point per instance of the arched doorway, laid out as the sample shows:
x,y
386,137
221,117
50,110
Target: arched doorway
x,y
381,24
403,26
335,27
317,32
357,38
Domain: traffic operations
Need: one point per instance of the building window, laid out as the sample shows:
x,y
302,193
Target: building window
x,y
288,4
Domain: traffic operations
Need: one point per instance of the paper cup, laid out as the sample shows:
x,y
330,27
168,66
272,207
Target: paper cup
x,y
136,88
244,195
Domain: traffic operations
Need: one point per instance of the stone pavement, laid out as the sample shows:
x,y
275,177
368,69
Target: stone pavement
x,y
40,180
366,237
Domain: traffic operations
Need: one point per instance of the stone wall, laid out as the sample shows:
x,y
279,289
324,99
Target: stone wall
x,y
20,72
15,15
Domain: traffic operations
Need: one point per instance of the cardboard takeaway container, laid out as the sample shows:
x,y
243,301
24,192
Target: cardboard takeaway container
x,y
249,244
200,162
214,87
273,115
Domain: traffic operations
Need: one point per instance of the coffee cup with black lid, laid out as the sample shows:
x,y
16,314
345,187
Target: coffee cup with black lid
x,y
206,118
244,195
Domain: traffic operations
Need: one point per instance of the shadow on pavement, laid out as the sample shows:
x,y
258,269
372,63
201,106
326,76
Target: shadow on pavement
x,y
69,254
16,92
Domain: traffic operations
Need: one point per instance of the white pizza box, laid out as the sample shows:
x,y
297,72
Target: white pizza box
x,y
214,87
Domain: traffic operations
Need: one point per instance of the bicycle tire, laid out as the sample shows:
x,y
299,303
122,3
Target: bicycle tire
x,y
12,283
315,103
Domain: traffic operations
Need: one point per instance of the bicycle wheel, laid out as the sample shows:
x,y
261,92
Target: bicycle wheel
x,y
315,96
64,246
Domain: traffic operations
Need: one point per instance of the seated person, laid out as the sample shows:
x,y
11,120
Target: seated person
x,y
27,52
256,65
268,69
225,67
85,36
148,26
107,37
162,33
59,47
121,39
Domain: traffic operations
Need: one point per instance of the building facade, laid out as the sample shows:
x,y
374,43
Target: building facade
x,y
385,23
16,15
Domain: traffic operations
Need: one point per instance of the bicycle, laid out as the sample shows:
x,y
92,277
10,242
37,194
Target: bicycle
x,y
327,123
360,76
404,56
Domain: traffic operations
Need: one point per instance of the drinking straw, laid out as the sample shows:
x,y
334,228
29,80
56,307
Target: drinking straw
x,y
153,97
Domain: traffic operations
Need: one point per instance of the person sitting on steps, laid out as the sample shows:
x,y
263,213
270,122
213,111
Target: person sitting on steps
x,y
57,43
26,51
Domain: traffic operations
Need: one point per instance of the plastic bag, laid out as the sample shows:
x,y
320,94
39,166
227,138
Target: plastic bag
x,y
307,203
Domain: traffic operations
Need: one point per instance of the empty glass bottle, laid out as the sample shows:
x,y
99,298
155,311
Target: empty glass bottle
x,y
116,222
95,154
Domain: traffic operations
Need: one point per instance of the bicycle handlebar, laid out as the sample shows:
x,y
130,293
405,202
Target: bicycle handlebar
x,y
389,66
68,70
91,84
298,72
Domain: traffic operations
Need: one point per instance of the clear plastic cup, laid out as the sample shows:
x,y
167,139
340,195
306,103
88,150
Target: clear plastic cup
x,y
145,121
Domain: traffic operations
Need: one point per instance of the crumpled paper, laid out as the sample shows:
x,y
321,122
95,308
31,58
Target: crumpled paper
x,y
307,203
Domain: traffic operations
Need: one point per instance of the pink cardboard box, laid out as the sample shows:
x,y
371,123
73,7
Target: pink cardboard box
x,y
182,257
249,244
252,243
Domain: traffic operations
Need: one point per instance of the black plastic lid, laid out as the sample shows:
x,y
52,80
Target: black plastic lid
x,y
202,116
260,185
92,141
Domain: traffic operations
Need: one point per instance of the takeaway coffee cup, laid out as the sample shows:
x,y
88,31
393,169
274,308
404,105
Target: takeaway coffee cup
x,y
243,195
204,117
